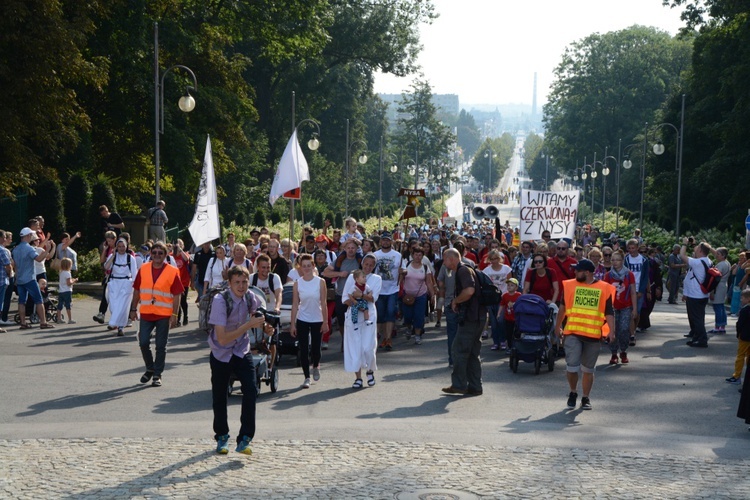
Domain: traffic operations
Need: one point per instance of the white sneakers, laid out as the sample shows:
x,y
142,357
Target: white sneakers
x,y
306,384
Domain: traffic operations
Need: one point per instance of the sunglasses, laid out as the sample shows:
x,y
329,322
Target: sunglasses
x,y
158,252
538,262
607,255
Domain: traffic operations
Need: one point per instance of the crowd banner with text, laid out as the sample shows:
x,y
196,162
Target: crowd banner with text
x,y
553,211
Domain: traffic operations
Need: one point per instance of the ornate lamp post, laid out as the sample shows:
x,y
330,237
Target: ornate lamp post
x,y
362,159
659,149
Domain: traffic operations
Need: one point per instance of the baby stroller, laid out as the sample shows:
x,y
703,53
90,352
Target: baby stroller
x,y
288,345
266,369
50,309
534,333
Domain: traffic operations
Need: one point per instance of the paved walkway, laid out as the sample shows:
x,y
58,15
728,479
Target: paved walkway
x,y
182,468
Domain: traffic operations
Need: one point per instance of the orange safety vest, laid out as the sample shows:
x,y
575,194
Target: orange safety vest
x,y
584,307
156,298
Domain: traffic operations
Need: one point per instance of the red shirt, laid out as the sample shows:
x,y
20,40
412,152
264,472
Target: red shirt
x,y
563,269
542,284
507,302
184,267
176,288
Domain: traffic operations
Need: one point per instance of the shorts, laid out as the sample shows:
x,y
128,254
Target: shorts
x,y
580,354
32,289
387,306
64,300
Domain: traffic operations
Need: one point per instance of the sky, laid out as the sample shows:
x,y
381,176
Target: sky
x,y
487,51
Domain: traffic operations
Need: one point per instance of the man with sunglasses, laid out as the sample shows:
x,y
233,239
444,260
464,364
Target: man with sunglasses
x,y
563,264
158,289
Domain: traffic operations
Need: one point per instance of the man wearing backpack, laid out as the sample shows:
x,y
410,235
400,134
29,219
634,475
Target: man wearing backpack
x,y
466,377
692,293
230,353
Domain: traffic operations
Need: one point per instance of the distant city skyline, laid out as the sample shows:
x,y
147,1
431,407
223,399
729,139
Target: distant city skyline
x,y
487,51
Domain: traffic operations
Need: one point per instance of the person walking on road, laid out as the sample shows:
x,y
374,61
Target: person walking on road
x,y
466,377
625,303
388,266
309,310
586,304
695,299
25,257
158,289
232,315
360,345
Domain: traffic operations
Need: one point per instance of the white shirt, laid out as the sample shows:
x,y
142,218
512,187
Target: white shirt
x,y
308,309
635,264
63,284
266,289
498,277
696,273
213,271
387,266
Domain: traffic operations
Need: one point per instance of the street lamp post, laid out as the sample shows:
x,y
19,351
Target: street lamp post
x,y
362,159
186,104
393,169
547,157
488,153
593,175
659,149
627,164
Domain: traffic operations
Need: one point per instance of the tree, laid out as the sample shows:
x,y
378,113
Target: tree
x,y
101,194
501,150
43,43
467,135
48,202
77,206
606,87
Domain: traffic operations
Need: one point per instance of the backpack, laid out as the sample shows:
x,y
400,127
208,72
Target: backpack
x,y
486,291
207,300
711,279
270,280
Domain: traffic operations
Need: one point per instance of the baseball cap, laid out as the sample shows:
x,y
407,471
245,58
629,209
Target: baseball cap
x,y
386,235
512,280
26,231
585,265
321,237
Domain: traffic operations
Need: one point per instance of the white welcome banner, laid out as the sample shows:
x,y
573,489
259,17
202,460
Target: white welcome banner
x,y
553,211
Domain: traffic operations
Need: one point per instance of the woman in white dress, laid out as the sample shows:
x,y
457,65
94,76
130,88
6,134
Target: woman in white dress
x,y
360,345
215,269
123,268
308,311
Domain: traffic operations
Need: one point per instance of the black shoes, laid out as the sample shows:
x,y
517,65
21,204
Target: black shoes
x,y
146,377
693,343
585,403
572,398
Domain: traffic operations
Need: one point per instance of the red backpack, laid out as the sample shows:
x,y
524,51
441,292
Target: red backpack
x,y
711,279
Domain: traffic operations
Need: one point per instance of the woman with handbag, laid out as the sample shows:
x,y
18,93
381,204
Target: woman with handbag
x,y
416,279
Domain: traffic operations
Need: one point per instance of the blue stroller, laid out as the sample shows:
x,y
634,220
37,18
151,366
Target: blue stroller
x,y
534,340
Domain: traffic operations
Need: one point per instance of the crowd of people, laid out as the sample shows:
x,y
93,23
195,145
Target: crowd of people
x,y
363,284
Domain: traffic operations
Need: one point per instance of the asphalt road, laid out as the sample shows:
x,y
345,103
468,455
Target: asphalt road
x,y
81,381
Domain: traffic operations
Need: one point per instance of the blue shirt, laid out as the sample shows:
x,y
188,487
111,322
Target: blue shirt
x,y
4,261
24,255
242,307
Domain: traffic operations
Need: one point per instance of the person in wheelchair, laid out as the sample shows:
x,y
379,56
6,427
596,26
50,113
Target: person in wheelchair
x,y
233,316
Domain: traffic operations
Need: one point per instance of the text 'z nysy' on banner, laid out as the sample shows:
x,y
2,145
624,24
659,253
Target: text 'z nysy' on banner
x,y
553,211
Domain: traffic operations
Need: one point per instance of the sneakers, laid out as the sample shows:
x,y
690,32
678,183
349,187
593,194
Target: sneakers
x,y
244,446
572,398
417,340
147,376
495,347
120,333
99,318
613,360
632,341
624,358
438,325
503,345
316,374
586,403
222,447
485,334
71,322
306,383
734,380
324,346
156,382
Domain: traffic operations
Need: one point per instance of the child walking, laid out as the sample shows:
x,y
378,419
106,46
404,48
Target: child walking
x,y
65,291
743,337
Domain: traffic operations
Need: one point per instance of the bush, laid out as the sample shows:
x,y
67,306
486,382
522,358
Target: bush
x,y
48,202
330,217
101,194
318,220
275,218
77,206
259,219
339,222
89,268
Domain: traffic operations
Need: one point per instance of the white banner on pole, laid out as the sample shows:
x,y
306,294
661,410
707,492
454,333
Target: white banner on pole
x,y
455,205
292,170
553,211
205,224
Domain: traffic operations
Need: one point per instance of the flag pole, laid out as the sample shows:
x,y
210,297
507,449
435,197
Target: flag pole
x,y
291,202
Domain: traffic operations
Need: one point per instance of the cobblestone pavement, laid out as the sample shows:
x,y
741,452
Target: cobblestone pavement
x,y
183,468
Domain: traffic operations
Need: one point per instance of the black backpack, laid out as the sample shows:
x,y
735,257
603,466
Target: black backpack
x,y
486,291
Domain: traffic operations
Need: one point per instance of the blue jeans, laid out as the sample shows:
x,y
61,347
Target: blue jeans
x,y
497,325
734,308
144,340
414,314
64,300
2,295
720,314
451,324
244,370
386,307
8,294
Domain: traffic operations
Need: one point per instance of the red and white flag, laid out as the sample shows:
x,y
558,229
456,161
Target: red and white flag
x,y
292,170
